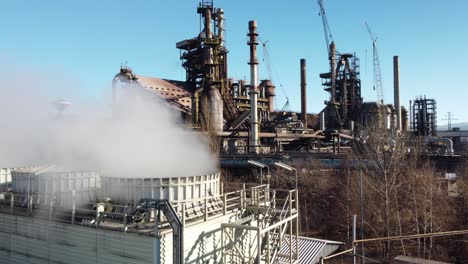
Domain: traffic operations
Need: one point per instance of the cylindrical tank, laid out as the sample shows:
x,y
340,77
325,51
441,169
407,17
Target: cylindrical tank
x,y
5,178
212,109
270,92
56,184
174,189
404,119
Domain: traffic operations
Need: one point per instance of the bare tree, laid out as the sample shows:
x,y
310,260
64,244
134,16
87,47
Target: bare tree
x,y
401,193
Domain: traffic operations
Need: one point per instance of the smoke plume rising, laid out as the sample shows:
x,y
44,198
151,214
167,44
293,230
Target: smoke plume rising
x,y
142,138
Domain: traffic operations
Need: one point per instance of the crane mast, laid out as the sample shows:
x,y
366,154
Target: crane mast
x,y
326,27
377,71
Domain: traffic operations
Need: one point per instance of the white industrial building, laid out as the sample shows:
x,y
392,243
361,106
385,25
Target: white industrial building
x,y
195,219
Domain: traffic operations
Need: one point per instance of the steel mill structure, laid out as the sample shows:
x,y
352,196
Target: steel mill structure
x,y
54,215
242,114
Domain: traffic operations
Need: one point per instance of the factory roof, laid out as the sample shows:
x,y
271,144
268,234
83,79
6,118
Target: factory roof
x,y
177,93
310,249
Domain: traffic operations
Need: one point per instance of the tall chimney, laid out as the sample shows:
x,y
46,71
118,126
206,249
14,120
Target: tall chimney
x,y
332,72
396,91
303,93
254,123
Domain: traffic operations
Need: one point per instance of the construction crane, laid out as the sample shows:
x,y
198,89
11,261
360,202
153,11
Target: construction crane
x,y
377,71
326,27
266,59
271,69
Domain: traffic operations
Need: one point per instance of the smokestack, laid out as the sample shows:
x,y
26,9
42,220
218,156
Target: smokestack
x,y
410,115
396,91
254,124
333,71
303,93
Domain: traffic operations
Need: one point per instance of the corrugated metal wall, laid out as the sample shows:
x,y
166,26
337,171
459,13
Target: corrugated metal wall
x,y
27,240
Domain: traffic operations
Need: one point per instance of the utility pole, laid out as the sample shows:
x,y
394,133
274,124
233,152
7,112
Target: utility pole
x,y
449,120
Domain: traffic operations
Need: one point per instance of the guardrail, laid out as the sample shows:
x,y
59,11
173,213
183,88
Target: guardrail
x,y
96,214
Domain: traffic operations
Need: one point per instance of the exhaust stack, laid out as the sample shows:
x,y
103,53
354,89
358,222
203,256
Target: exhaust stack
x,y
303,93
254,123
396,91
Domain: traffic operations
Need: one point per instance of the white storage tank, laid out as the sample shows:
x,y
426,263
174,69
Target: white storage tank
x,y
174,189
5,178
44,184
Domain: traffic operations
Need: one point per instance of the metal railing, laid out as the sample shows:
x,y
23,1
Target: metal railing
x,y
258,236
119,215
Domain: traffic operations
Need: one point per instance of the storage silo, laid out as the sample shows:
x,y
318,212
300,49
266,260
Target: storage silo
x,y
174,189
63,186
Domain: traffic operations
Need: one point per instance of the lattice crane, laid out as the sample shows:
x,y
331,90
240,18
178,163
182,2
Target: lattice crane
x,y
377,71
326,27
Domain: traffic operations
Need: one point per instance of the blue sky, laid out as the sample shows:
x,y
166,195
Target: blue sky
x,y
87,40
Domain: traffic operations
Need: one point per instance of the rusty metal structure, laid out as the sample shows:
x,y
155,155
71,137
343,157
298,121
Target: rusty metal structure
x,y
344,85
241,113
205,61
216,98
342,82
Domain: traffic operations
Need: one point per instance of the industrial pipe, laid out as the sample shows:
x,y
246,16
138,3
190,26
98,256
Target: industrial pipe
x,y
322,121
207,16
254,123
448,143
396,89
220,13
303,93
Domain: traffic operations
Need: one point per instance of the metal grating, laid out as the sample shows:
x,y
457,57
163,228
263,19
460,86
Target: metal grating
x,y
310,249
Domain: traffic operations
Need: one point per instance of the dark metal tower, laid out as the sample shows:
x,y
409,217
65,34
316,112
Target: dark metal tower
x,y
424,121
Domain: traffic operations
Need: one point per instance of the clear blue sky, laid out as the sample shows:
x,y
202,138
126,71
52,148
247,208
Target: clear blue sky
x,y
87,40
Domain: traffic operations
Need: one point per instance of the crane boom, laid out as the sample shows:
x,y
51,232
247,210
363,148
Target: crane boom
x,y
326,27
377,71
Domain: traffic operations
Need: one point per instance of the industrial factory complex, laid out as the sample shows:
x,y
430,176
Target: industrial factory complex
x,y
50,214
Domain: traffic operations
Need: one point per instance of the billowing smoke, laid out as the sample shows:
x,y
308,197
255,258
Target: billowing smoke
x,y
142,137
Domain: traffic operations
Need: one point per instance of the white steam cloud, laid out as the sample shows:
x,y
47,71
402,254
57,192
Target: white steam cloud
x,y
144,137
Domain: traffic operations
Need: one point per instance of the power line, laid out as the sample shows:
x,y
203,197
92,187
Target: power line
x,y
449,120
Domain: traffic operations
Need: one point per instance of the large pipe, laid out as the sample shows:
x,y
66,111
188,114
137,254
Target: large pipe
x,y
254,124
322,121
207,16
448,143
220,12
396,91
303,93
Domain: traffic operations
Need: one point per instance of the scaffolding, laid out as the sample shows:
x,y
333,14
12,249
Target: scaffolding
x,y
259,235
